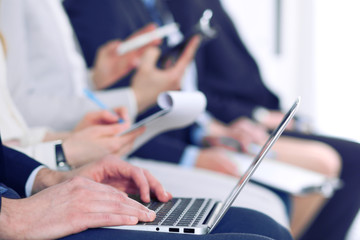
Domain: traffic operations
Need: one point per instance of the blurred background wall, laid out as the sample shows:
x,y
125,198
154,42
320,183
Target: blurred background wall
x,y
309,48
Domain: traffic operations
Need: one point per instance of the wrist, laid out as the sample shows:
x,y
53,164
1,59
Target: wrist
x,y
143,99
53,136
95,80
5,223
92,79
47,178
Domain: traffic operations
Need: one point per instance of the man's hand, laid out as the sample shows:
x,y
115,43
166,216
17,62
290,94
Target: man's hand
x,y
149,80
274,118
110,67
88,197
68,208
215,159
236,136
120,174
246,131
112,171
95,142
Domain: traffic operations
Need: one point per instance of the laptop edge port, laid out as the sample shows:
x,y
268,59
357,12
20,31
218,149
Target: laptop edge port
x,y
189,230
173,230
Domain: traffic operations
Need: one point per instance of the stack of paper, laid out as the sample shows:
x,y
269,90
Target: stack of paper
x,y
288,178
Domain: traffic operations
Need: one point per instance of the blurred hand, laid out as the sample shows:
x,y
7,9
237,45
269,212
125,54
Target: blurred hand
x,y
246,131
68,208
149,80
235,137
110,66
95,142
215,159
103,117
273,119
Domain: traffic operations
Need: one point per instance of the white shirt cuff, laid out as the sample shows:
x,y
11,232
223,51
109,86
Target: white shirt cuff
x,y
260,113
30,182
189,157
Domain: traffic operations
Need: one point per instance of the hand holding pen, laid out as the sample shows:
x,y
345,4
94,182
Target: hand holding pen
x,y
104,116
90,95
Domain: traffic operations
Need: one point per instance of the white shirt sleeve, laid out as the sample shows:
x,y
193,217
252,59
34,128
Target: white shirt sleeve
x,y
47,74
43,153
120,97
30,182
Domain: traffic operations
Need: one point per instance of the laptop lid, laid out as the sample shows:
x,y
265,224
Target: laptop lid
x,y
257,160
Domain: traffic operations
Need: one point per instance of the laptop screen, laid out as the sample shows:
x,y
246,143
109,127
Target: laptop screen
x,y
257,160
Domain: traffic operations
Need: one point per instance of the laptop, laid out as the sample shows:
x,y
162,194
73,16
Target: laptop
x,y
201,215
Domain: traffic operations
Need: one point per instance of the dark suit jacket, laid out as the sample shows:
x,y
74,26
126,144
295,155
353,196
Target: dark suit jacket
x,y
104,20
227,73
15,169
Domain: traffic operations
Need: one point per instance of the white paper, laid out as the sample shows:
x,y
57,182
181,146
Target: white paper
x,y
147,38
183,108
287,177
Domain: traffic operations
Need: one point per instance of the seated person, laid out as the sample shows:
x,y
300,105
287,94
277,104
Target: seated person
x,y
87,143
68,203
123,25
178,146
37,84
92,144
235,87
236,90
47,71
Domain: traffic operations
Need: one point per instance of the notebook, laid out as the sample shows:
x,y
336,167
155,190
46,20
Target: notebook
x,y
201,215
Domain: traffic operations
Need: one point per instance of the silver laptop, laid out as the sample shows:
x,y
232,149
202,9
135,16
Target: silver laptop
x,y
201,215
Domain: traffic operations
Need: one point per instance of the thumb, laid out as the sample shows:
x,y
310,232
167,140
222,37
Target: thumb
x,y
111,46
150,57
109,130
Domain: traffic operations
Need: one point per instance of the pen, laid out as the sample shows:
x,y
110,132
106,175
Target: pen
x,y
97,101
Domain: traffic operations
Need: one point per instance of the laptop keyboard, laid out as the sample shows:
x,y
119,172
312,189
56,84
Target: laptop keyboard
x,y
178,211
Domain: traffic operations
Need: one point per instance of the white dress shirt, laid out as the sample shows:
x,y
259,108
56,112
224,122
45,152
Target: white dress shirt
x,y
47,74
14,131
14,128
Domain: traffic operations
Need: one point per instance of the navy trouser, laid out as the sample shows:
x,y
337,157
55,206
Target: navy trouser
x,y
335,219
238,223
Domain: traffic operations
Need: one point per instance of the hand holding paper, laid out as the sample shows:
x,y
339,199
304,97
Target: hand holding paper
x,y
180,109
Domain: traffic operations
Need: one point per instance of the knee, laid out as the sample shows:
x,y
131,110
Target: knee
x,y
328,159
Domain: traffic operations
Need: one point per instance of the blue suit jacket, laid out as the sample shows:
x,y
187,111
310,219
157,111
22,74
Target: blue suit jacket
x,y
227,73
104,20
15,169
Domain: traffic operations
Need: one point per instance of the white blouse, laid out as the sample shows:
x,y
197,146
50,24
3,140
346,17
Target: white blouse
x,y
47,73
14,130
